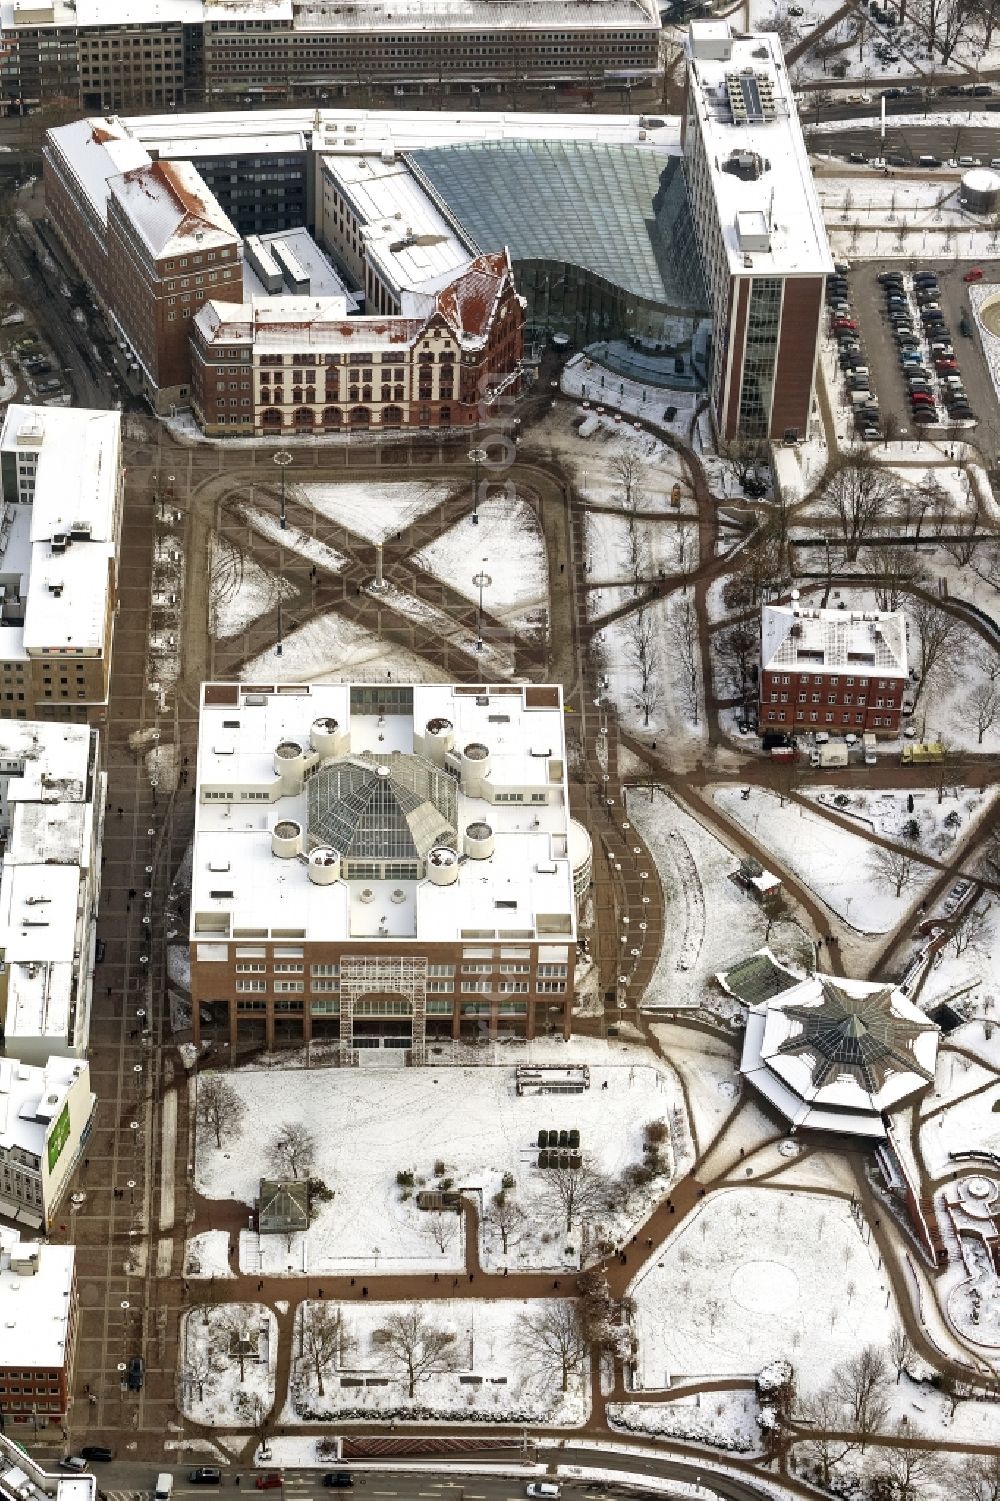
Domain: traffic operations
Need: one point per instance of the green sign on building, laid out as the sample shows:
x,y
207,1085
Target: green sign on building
x,y
57,1140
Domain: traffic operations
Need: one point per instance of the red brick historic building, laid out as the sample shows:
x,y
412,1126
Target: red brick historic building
x,y
837,671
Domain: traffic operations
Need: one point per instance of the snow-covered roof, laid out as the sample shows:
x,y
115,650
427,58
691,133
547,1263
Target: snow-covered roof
x,y
802,639
31,1098
324,280
65,542
172,208
404,233
836,1054
478,15
524,888
47,791
352,131
758,168
91,152
35,1307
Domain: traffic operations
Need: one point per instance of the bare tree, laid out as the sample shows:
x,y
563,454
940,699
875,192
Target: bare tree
x,y
641,646
218,1107
949,767
201,1365
319,1338
554,1340
902,1473
506,1217
891,568
239,1328
978,1478
823,1414
900,1349
965,536
746,455
981,709
971,928
291,1151
255,1412
941,639
575,1191
411,1343
861,1383
442,1227
894,866
737,650
629,470
857,497
683,632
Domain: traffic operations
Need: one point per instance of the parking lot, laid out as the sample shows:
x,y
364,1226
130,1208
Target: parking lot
x,y
882,356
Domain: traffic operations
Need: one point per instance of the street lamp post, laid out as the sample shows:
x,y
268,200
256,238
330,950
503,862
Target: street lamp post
x,y
282,458
482,581
477,456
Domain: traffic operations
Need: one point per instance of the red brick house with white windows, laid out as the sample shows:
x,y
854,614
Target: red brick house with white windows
x,y
839,671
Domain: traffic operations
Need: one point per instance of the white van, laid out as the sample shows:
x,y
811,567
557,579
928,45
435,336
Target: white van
x,y
164,1486
543,1490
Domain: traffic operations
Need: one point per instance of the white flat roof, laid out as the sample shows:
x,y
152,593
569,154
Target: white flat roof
x,y
480,15
77,497
45,872
94,150
223,132
31,1098
324,280
784,193
275,324
529,873
414,245
34,1309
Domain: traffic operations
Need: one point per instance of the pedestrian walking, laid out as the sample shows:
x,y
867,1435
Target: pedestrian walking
x,y
352,1281
364,1292
455,1283
471,1275
321,1292
556,1283
436,1277
121,812
505,1271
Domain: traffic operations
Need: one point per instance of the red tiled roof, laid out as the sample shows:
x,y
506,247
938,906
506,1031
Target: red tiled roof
x,y
468,302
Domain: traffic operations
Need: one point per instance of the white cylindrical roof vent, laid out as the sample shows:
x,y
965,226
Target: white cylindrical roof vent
x,y
324,866
325,737
442,866
479,841
475,769
286,839
290,765
438,739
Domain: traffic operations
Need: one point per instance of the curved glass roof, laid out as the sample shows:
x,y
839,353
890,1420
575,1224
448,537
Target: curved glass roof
x,y
857,1035
392,809
596,206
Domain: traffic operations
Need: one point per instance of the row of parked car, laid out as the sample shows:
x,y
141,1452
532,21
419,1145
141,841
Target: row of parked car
x,y
850,355
926,356
37,365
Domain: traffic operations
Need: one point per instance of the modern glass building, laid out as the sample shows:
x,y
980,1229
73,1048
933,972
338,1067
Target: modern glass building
x,y
600,235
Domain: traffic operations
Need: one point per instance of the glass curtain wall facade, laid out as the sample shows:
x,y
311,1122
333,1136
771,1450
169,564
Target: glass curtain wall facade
x,y
760,356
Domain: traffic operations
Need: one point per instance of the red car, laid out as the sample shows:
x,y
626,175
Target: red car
x,y
844,323
272,1481
921,399
976,274
946,364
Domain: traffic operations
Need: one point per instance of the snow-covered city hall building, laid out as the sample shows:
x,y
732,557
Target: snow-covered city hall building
x,y
379,865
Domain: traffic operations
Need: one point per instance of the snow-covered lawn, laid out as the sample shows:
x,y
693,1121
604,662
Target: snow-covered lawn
x,y
207,1255
667,546
708,1067
214,1385
888,814
332,647
715,922
757,1275
377,509
495,658
726,1420
836,864
971,1119
668,683
507,546
466,1125
292,539
240,590
492,1369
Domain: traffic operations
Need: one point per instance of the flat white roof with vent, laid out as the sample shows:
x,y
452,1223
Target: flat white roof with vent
x,y
500,805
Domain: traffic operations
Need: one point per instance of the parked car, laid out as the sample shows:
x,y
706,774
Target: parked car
x,y
975,274
754,487
272,1481
50,385
36,364
97,1453
338,1478
74,1463
925,416
885,276
845,323
919,276
205,1475
135,1373
870,433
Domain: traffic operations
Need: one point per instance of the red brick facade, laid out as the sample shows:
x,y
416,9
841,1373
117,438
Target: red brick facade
x,y
46,1392
840,702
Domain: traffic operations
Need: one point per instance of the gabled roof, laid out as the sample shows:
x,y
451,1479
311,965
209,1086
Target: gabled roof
x,y
468,304
172,209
